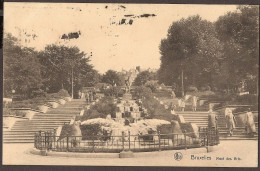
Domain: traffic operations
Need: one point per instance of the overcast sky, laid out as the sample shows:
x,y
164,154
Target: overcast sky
x,y
114,46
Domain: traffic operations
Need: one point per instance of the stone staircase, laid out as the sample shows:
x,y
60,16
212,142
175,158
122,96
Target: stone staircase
x,y
24,131
239,131
200,118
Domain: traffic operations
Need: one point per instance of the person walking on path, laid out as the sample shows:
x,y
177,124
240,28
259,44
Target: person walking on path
x,y
230,120
250,123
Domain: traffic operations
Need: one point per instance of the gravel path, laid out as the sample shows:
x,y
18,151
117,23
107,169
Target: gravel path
x,y
246,150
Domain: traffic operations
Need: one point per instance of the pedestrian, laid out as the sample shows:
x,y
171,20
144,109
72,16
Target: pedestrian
x,y
194,103
79,94
212,120
173,94
173,112
182,104
82,95
230,121
179,104
250,123
87,97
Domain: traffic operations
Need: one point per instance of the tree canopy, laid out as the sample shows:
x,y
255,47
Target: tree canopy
x,y
113,78
143,77
219,55
51,69
239,33
20,67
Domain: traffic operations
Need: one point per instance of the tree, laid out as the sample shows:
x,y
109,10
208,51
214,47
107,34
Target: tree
x,y
191,47
143,77
239,32
21,68
142,92
113,78
63,66
152,84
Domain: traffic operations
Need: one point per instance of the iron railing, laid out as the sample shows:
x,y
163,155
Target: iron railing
x,y
137,143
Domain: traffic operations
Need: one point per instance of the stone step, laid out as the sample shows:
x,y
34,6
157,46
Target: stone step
x,y
19,134
18,137
42,121
36,126
52,117
56,114
62,112
19,141
195,119
37,129
238,138
47,120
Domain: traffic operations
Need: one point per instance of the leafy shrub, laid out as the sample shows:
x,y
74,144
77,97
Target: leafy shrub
x,y
205,88
90,131
10,112
7,111
245,109
220,97
114,91
192,88
38,93
100,110
152,84
63,93
249,99
142,91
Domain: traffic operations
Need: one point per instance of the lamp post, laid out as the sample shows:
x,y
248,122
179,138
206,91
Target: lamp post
x,y
72,84
13,91
182,82
182,86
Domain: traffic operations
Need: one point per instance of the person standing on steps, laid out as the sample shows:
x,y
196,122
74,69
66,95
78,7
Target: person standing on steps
x,y
212,120
79,94
250,123
179,104
182,104
230,120
194,103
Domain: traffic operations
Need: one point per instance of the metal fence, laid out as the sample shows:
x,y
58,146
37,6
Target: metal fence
x,y
137,143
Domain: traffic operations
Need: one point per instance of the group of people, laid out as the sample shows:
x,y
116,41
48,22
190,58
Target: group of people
x,y
89,96
182,103
248,120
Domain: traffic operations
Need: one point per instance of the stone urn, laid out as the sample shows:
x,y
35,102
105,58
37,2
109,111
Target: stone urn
x,y
43,108
61,101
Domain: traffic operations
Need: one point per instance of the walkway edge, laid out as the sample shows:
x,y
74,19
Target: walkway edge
x,y
114,155
74,155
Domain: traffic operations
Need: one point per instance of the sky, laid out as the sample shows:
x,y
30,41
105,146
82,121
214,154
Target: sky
x,y
114,45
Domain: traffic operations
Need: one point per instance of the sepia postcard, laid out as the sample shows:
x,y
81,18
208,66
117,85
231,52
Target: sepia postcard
x,y
108,84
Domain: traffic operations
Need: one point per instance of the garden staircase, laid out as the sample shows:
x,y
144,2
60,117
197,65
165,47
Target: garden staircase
x,y
24,131
200,118
239,131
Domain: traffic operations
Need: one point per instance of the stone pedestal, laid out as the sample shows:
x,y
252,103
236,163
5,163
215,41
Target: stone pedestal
x,y
211,148
126,154
127,96
43,152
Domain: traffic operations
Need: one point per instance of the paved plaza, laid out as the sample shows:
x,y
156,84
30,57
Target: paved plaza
x,y
244,151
